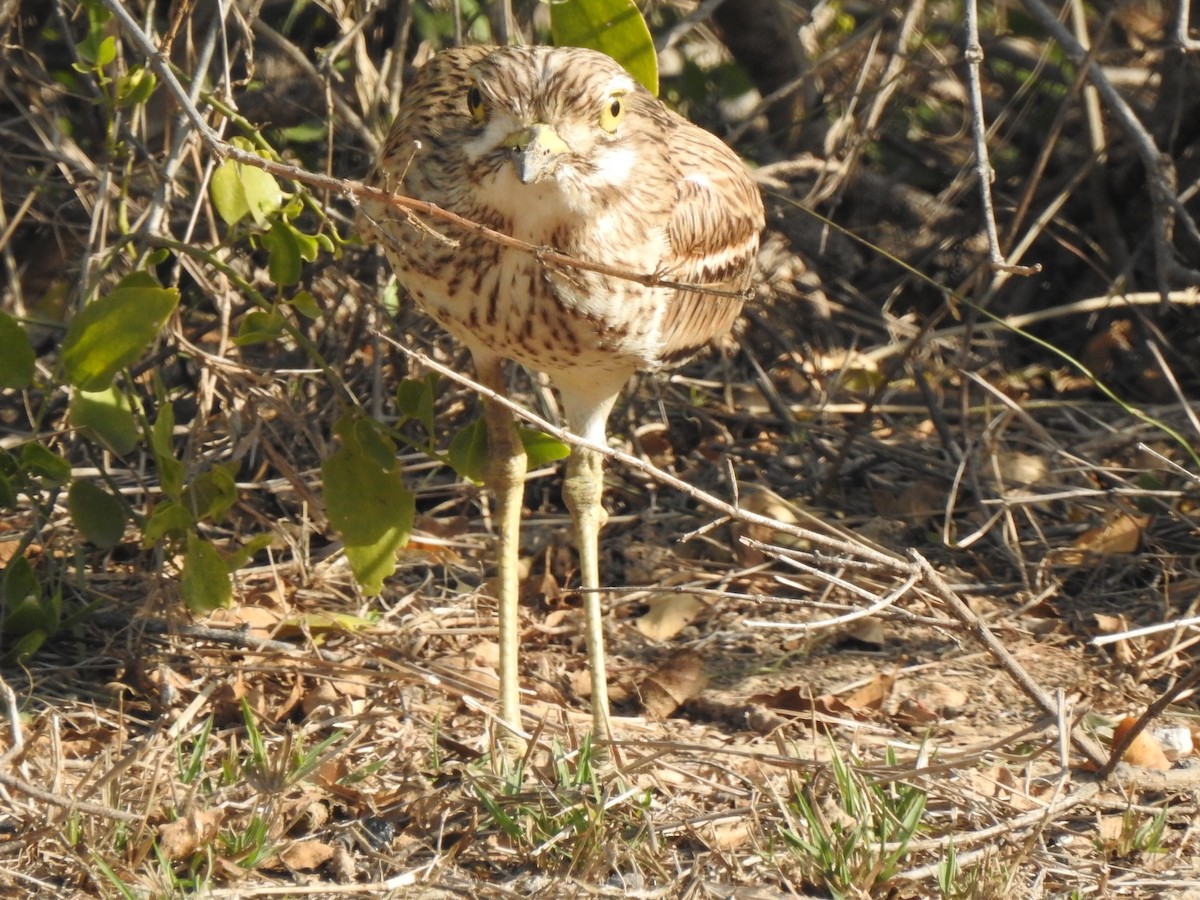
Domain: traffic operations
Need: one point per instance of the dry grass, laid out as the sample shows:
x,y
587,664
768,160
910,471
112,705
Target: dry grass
x,y
993,503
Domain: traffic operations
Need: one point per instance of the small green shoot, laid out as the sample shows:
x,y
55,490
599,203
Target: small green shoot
x,y
859,843
192,764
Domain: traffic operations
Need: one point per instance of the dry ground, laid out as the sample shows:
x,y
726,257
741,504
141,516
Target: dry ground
x,y
997,494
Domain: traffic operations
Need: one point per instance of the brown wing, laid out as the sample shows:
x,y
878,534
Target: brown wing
x,y
713,234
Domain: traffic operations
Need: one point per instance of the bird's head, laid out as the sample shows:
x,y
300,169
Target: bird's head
x,y
562,117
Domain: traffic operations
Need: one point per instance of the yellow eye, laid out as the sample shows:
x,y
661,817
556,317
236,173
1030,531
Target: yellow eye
x,y
475,104
611,116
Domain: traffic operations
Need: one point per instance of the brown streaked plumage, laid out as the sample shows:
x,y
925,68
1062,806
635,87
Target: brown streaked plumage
x,y
559,147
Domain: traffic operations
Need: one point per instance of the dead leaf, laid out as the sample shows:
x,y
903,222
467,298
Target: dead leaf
x,y
944,699
873,695
305,856
477,665
1111,829
1000,782
559,620
668,615
1102,351
1106,624
676,681
1120,534
854,371
1016,469
258,621
868,632
337,695
187,834
727,835
581,685
648,563
543,589
766,503
921,501
800,703
485,654
913,711
654,441
308,810
1145,751
344,869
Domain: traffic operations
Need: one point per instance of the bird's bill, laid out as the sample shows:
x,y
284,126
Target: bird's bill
x,y
537,148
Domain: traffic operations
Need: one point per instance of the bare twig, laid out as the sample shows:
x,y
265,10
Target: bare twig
x,y
973,53
68,803
13,714
1087,791
1183,17
1129,634
1160,169
1007,661
877,605
1186,297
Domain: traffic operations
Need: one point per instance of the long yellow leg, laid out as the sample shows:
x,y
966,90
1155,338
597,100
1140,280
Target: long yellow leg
x,y
506,479
582,492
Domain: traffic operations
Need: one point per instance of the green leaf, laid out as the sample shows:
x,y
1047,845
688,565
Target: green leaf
x,y
210,494
111,332
315,622
205,582
414,400
309,246
283,253
305,133
42,462
30,616
366,501
16,356
106,417
469,450
24,616
162,441
614,27
306,304
107,52
540,448
135,86
245,553
389,300
286,247
19,583
96,51
169,519
239,190
258,327
11,479
366,435
99,516
27,645
97,17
